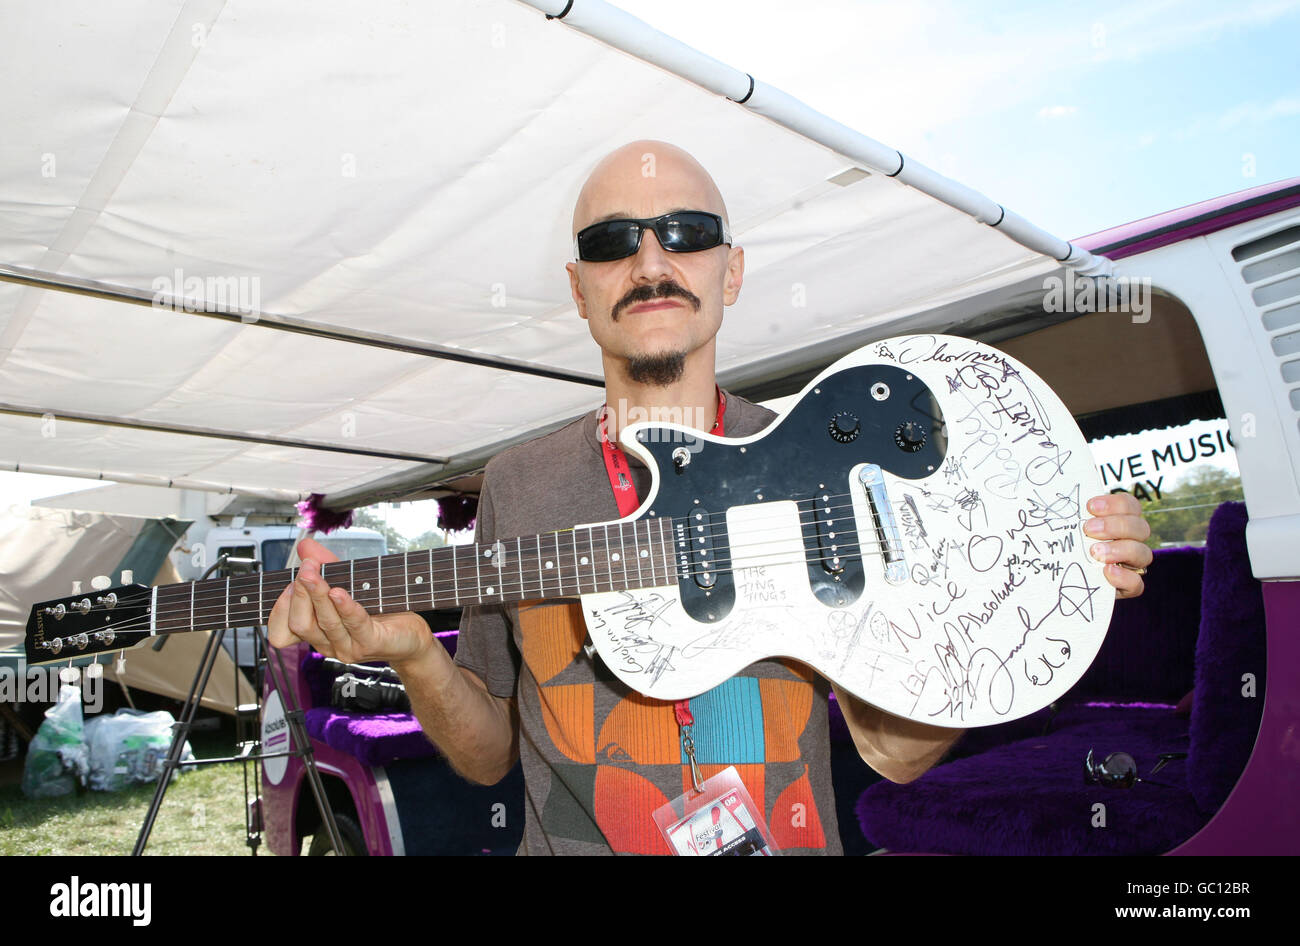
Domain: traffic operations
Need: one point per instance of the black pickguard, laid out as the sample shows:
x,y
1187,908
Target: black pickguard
x,y
807,455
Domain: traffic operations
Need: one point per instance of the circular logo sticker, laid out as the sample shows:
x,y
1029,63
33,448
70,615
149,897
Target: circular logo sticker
x,y
275,738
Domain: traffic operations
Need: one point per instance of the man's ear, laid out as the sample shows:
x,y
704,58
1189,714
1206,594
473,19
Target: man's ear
x,y
735,275
578,298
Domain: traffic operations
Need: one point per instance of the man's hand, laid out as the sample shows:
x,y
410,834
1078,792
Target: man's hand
x,y
332,622
1119,521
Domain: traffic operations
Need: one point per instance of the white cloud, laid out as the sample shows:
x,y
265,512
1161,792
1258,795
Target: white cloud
x,y
1056,111
1244,113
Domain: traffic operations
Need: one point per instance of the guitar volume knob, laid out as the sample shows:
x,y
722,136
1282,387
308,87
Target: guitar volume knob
x,y
910,436
844,427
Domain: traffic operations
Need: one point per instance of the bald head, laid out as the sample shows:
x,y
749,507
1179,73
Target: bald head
x,y
645,179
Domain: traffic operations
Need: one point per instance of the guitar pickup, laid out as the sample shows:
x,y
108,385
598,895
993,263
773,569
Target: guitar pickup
x,y
702,552
889,542
829,537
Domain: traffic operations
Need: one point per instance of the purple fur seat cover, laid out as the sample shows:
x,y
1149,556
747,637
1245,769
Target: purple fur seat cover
x,y
373,738
1232,643
1030,797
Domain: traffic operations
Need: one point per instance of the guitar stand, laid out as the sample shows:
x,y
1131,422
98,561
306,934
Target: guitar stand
x,y
250,751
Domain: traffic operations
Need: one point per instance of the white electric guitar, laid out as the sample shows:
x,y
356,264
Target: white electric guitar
x,y
911,528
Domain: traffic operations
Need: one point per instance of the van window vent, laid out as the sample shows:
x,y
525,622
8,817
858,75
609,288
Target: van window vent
x,y
1270,266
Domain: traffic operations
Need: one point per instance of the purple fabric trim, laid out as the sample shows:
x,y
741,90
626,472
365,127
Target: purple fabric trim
x,y
1169,223
457,513
319,519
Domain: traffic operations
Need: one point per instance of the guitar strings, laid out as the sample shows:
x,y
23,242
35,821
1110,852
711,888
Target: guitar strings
x,y
509,589
508,582
400,562
174,594
507,577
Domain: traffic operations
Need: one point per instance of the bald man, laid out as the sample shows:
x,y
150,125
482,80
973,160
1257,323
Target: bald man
x,y
599,759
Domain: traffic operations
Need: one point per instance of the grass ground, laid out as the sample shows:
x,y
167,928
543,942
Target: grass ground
x,y
202,813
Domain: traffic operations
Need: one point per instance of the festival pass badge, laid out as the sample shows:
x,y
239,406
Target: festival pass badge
x,y
721,820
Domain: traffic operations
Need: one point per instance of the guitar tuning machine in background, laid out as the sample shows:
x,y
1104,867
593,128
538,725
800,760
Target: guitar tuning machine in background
x,y
79,641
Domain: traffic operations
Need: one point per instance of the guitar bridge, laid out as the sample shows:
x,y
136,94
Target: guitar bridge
x,y
889,540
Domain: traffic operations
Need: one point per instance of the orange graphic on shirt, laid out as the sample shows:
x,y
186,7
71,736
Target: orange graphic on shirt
x,y
625,807
640,730
552,633
787,704
794,816
570,719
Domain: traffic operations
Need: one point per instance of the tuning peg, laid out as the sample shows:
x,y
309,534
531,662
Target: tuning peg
x,y
100,582
76,587
128,576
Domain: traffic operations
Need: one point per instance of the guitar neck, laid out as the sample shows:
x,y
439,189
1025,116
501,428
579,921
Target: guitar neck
x,y
611,557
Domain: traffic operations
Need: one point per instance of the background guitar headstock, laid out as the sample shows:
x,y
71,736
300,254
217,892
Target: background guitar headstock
x,y
82,625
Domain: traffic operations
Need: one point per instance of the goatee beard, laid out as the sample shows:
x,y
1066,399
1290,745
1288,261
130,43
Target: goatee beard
x,y
658,370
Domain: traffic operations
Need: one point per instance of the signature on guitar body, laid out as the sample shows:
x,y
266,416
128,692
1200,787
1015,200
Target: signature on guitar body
x,y
911,528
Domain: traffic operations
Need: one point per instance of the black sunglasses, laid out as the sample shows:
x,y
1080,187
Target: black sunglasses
x,y
682,231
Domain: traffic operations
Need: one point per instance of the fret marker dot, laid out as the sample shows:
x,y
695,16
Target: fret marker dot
x,y
644,553
614,557
365,586
419,579
243,599
489,591
550,564
583,560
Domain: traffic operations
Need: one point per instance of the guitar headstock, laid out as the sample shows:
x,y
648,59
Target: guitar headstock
x,y
83,625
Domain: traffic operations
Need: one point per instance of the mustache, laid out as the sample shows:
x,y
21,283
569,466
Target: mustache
x,y
660,290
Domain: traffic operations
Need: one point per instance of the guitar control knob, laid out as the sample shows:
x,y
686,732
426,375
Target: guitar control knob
x,y
844,427
910,436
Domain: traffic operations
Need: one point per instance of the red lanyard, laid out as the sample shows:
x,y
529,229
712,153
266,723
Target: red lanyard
x,y
620,474
620,481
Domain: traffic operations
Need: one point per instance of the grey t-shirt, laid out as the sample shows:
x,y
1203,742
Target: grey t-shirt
x,y
598,758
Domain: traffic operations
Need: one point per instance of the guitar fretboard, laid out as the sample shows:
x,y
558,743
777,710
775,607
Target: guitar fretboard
x,y
611,557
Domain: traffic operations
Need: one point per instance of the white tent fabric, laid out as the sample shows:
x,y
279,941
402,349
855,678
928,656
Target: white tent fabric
x,y
403,172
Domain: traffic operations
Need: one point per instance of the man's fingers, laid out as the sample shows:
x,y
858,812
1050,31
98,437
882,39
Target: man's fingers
x,y
1115,504
302,618
1127,583
1118,527
311,549
1124,552
277,621
327,618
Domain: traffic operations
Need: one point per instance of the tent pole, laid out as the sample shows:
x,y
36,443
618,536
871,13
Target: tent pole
x,y
622,31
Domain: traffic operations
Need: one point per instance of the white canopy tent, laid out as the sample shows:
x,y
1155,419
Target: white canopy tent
x,y
369,208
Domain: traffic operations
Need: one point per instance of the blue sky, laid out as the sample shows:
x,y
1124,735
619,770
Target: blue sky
x,y
1078,117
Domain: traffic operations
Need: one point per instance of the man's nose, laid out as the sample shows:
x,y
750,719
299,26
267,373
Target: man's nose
x,y
651,263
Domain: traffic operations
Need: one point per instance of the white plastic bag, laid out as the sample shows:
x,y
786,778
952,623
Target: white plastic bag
x,y
57,758
129,747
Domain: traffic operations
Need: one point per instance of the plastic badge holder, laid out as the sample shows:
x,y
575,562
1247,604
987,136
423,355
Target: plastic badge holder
x,y
721,820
